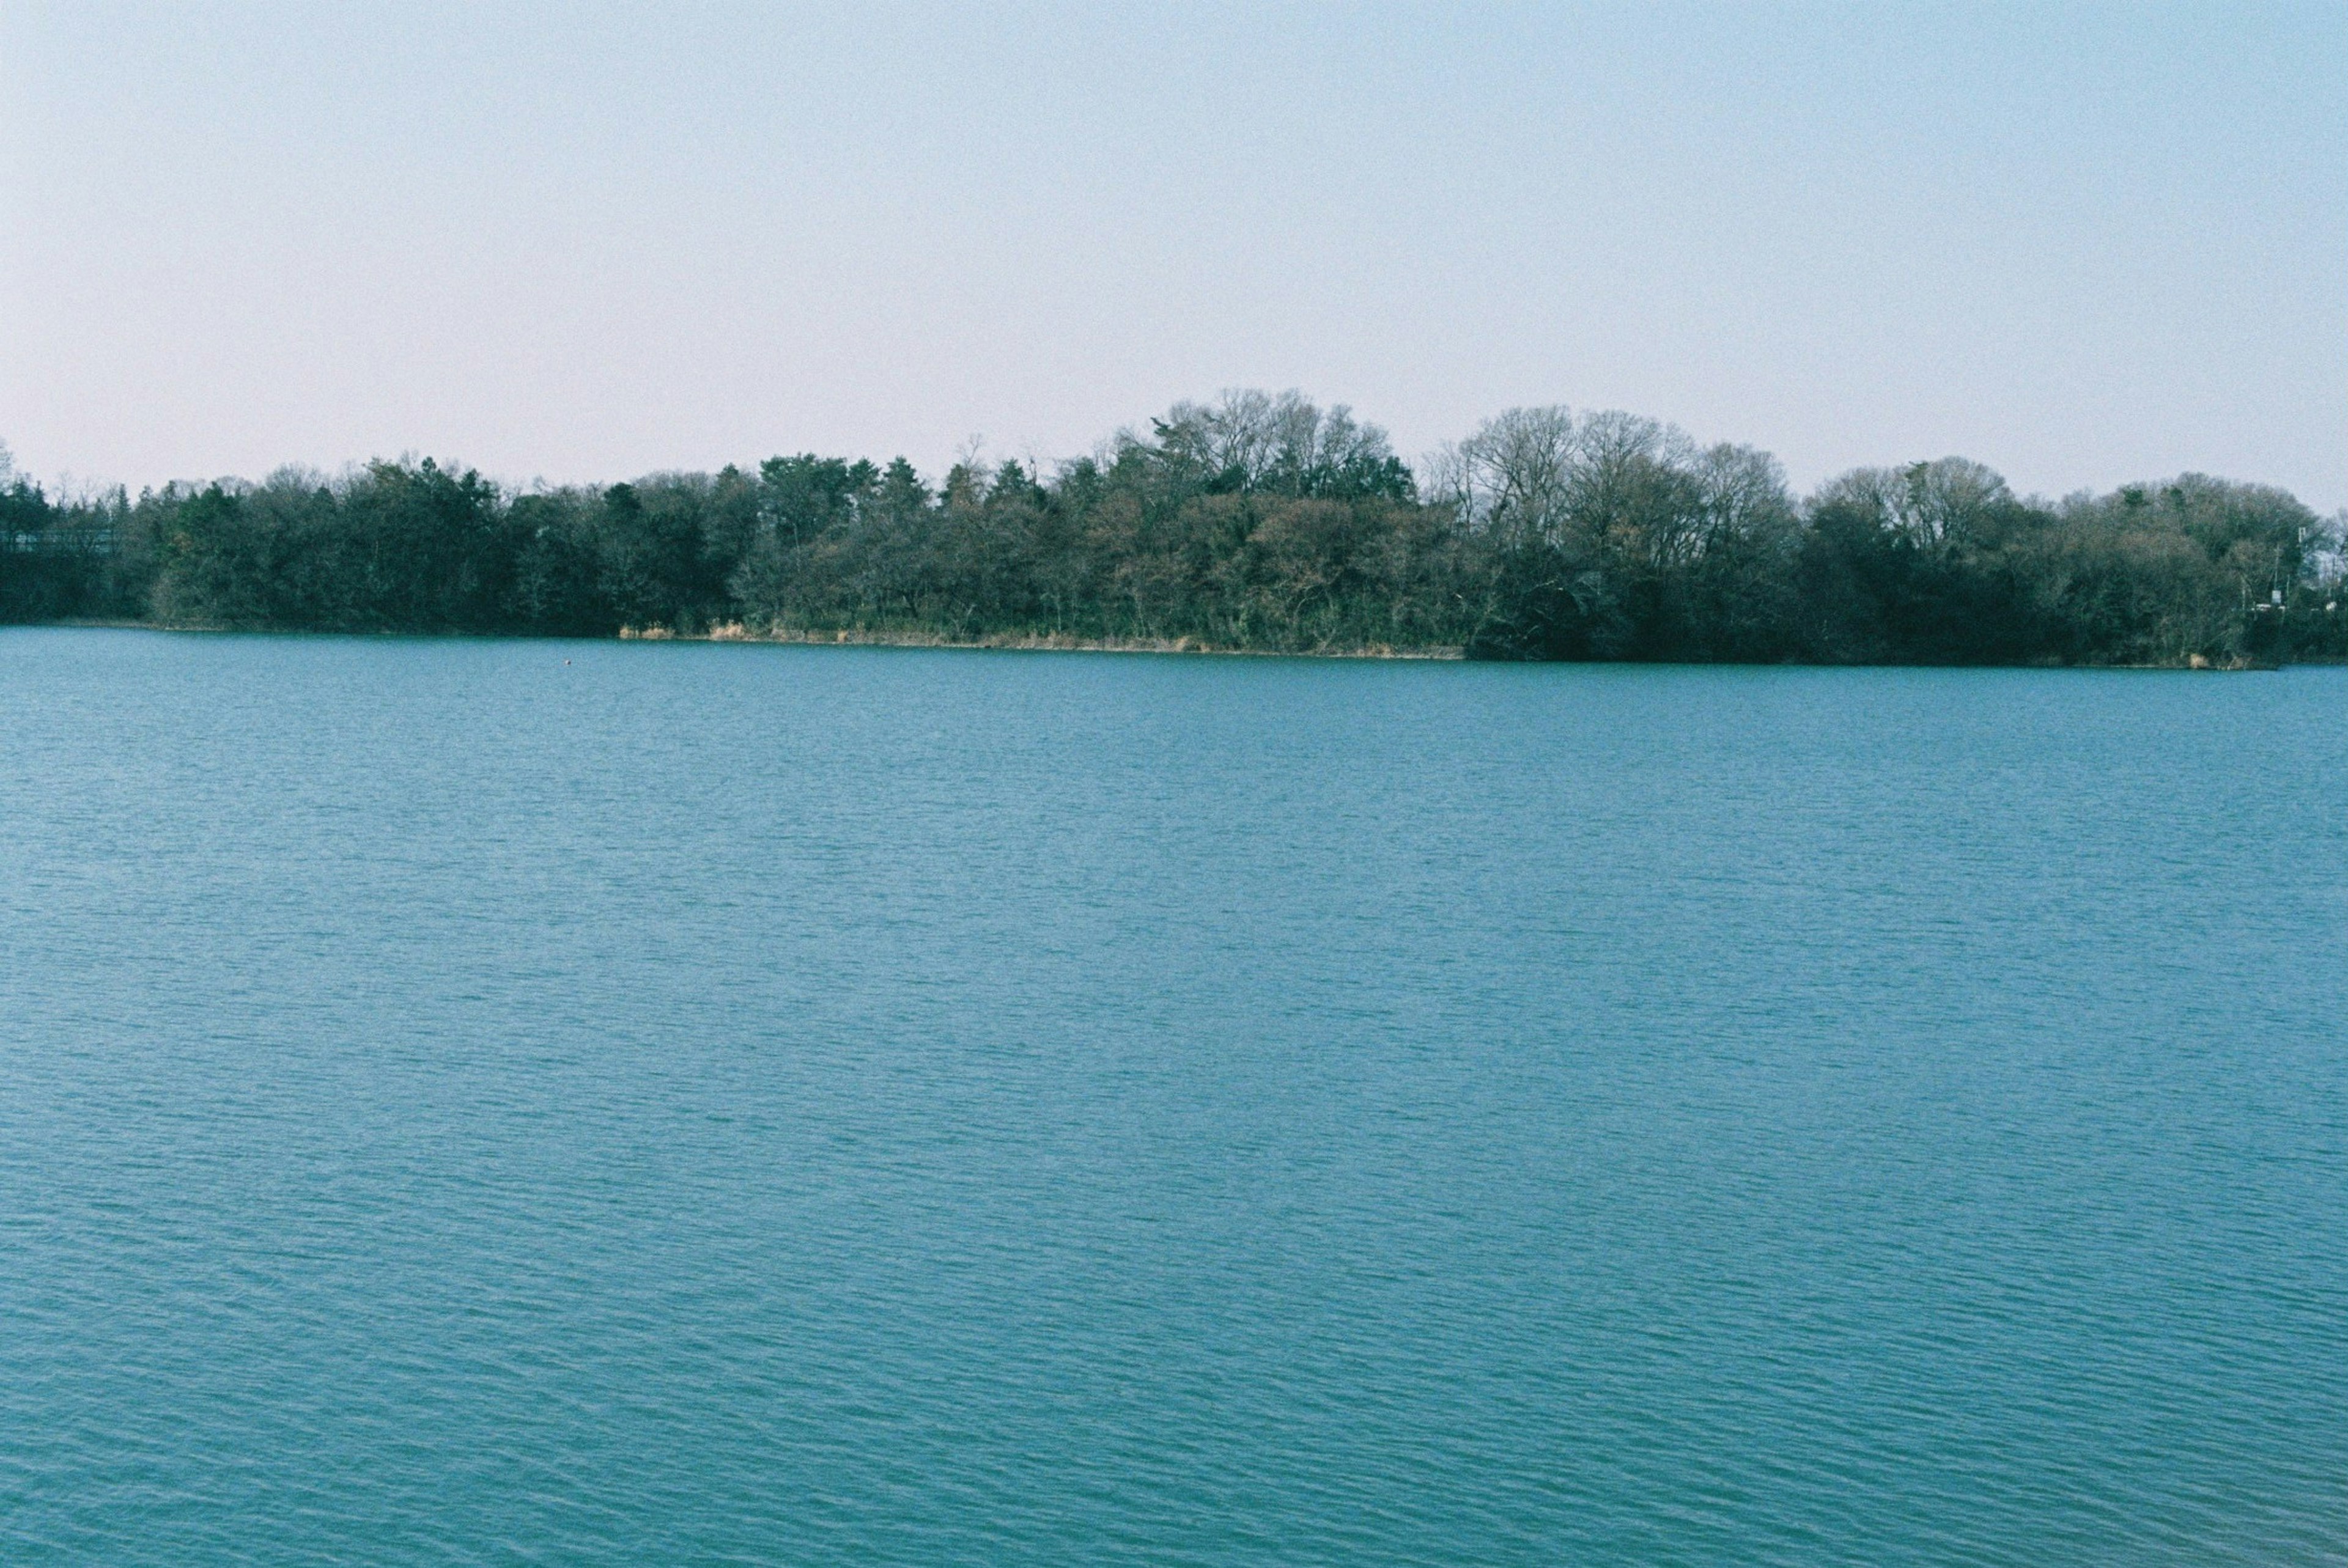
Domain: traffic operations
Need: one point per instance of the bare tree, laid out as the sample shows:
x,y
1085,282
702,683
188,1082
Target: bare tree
x,y
1513,477
1932,506
1286,444
1742,492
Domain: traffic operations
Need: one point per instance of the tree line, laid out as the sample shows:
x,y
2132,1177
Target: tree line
x,y
1254,522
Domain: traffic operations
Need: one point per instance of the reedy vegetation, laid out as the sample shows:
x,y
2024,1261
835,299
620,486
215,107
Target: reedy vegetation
x,y
1252,522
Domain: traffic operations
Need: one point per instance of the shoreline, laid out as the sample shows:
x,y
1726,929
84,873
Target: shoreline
x,y
1063,642
1025,642
733,631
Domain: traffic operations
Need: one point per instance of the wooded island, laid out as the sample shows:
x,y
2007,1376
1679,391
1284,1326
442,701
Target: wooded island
x,y
1255,522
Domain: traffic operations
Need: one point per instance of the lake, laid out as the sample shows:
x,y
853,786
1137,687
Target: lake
x,y
503,1101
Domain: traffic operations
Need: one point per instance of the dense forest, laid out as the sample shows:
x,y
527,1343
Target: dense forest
x,y
1254,522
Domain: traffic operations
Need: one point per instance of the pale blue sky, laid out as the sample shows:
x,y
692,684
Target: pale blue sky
x,y
2082,244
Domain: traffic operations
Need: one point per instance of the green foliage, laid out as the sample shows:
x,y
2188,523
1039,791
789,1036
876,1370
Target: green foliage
x,y
35,583
1255,521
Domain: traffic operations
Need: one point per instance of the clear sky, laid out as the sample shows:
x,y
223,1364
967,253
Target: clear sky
x,y
2082,244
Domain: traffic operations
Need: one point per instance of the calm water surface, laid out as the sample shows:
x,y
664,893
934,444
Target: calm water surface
x,y
508,1102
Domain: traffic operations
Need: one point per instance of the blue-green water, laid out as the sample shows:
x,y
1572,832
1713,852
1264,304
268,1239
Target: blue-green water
x,y
507,1101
